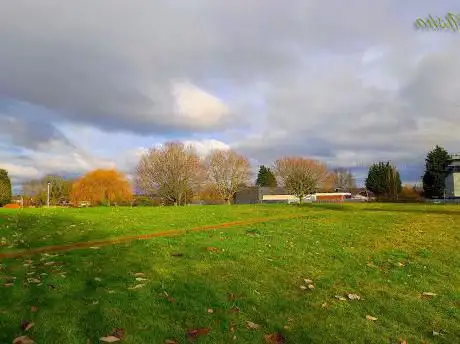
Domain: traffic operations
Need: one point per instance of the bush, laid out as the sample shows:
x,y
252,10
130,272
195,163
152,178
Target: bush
x,y
12,206
146,201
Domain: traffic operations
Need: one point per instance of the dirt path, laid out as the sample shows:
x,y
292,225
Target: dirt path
x,y
174,232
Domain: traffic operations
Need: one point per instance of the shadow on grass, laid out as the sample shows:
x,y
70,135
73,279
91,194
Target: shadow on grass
x,y
324,206
85,295
416,208
413,208
43,282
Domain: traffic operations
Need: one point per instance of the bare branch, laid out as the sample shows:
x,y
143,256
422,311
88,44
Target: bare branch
x,y
227,170
301,176
170,172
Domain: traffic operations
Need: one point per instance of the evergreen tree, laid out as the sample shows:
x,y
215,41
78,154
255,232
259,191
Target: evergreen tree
x,y
384,180
266,177
5,188
435,174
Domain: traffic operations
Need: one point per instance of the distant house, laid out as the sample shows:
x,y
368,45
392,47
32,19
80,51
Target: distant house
x,y
256,194
262,194
452,189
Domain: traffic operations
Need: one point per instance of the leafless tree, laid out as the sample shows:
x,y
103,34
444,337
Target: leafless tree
x,y
301,176
227,171
170,172
343,179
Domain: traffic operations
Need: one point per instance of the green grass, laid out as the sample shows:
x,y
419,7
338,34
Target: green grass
x,y
389,254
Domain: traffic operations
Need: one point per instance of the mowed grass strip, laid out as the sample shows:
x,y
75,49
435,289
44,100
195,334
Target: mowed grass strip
x,y
125,239
31,228
388,255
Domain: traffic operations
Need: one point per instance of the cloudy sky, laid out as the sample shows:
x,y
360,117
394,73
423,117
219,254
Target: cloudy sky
x,y
92,83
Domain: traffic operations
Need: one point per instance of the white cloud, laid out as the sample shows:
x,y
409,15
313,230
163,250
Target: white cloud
x,y
348,82
19,172
204,147
198,107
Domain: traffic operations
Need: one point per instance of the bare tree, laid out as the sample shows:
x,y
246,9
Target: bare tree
x,y
301,176
60,188
170,172
227,171
343,179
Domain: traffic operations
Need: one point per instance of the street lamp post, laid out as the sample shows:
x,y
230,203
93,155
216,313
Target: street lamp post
x,y
48,196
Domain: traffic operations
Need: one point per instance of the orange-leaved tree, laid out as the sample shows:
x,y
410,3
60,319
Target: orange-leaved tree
x,y
102,187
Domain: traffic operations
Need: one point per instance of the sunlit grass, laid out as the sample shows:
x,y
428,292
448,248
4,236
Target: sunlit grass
x,y
387,254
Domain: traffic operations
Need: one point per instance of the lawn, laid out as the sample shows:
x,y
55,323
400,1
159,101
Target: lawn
x,y
236,284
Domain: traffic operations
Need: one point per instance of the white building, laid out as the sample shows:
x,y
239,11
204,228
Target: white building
x,y
452,189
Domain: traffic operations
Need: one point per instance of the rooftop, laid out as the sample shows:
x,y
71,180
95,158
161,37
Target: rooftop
x,y
455,156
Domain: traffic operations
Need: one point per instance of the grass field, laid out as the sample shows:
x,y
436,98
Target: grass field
x,y
219,280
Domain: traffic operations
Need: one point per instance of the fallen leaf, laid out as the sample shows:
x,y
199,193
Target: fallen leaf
x,y
25,325
402,341
97,279
372,265
303,287
307,281
33,280
9,284
197,332
324,305
235,309
252,326
370,317
341,298
400,264
435,333
275,338
23,340
137,286
210,310
109,339
232,296
138,274
116,335
311,286
171,341
212,248
140,279
354,297
177,254
118,332
94,247
427,293
34,309
111,291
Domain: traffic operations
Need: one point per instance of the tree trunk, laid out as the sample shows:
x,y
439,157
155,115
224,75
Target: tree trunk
x,y
300,199
228,201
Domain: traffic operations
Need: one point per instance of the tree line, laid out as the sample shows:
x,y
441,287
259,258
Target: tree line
x,y
176,175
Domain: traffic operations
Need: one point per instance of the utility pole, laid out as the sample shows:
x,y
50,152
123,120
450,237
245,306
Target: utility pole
x,y
48,196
